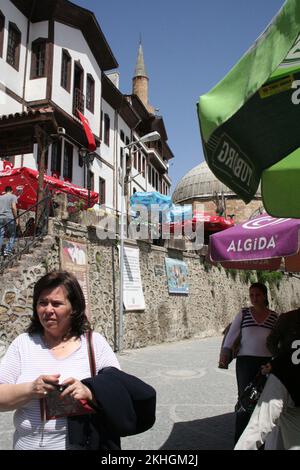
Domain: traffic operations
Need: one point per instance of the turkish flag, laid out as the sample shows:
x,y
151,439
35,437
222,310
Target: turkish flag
x,y
88,132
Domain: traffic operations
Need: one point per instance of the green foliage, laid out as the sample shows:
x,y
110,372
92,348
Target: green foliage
x,y
247,276
272,277
232,273
207,265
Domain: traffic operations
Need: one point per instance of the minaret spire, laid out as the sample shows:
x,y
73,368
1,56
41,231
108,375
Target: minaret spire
x,y
140,69
140,79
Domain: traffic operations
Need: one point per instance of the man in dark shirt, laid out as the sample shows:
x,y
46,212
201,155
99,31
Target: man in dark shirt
x,y
8,221
284,333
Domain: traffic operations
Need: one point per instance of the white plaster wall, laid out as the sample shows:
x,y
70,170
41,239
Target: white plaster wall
x,y
8,105
9,76
103,171
36,88
72,39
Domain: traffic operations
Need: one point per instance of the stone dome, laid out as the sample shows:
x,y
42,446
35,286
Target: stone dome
x,y
201,183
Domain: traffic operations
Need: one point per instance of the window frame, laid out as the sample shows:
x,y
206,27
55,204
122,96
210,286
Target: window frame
x,y
68,161
66,55
106,136
55,166
2,29
90,104
102,184
33,68
16,63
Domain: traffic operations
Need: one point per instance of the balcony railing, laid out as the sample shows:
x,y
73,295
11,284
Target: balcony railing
x,y
78,101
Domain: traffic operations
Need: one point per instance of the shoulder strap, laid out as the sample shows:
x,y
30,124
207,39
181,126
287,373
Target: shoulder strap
x,y
91,352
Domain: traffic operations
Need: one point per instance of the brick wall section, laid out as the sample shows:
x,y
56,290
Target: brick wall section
x,y
214,296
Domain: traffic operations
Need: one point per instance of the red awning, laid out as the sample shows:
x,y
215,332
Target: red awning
x,y
24,182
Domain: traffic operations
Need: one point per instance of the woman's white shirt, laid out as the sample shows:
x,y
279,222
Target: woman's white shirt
x,y
26,359
254,334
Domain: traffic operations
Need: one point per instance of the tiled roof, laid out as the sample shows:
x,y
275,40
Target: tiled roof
x,y
28,113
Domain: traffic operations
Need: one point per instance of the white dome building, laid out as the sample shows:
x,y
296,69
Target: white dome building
x,y
200,185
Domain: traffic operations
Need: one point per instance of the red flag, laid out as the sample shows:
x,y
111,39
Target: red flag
x,y
88,132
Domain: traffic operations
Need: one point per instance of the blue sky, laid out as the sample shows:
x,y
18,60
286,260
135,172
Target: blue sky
x,y
188,47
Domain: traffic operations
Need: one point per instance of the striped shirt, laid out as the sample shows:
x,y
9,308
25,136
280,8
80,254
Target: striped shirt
x,y
25,360
254,334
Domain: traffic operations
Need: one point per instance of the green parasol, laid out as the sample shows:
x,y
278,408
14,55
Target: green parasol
x,y
250,121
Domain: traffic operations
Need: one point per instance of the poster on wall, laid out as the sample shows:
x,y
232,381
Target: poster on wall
x,y
74,258
177,276
133,295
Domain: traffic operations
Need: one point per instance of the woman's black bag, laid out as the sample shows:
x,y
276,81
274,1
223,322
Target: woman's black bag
x,y
250,396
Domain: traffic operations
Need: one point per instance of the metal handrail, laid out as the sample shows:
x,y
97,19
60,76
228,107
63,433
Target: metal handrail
x,y
25,240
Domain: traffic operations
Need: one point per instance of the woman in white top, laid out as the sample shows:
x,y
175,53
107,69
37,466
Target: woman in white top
x,y
253,324
51,355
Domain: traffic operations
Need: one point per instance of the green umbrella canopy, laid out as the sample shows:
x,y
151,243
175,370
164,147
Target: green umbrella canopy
x,y
251,119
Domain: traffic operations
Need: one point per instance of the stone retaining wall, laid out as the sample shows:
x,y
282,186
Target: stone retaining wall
x,y
214,296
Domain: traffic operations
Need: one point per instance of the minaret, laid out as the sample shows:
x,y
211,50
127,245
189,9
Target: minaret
x,y
140,80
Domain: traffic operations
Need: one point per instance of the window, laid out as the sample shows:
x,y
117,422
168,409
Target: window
x,y
101,125
13,46
106,129
68,161
149,174
121,157
122,136
102,191
56,159
65,78
2,24
143,166
127,140
78,96
135,165
139,162
90,93
38,58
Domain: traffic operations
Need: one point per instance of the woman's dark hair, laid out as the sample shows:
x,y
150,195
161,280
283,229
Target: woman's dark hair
x,y
79,321
262,288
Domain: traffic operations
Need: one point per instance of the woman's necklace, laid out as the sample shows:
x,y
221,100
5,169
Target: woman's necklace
x,y
64,342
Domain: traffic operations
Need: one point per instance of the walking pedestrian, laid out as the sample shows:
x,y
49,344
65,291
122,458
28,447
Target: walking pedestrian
x,y
8,219
253,325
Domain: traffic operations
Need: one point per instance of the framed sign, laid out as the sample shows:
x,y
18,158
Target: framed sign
x,y
133,295
177,276
74,259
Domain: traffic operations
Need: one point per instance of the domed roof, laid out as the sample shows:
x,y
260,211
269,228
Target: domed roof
x,y
200,182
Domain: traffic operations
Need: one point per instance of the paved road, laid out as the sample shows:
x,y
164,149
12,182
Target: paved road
x,y
195,399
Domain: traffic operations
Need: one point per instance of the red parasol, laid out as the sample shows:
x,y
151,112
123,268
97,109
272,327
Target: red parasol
x,y
212,223
24,182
